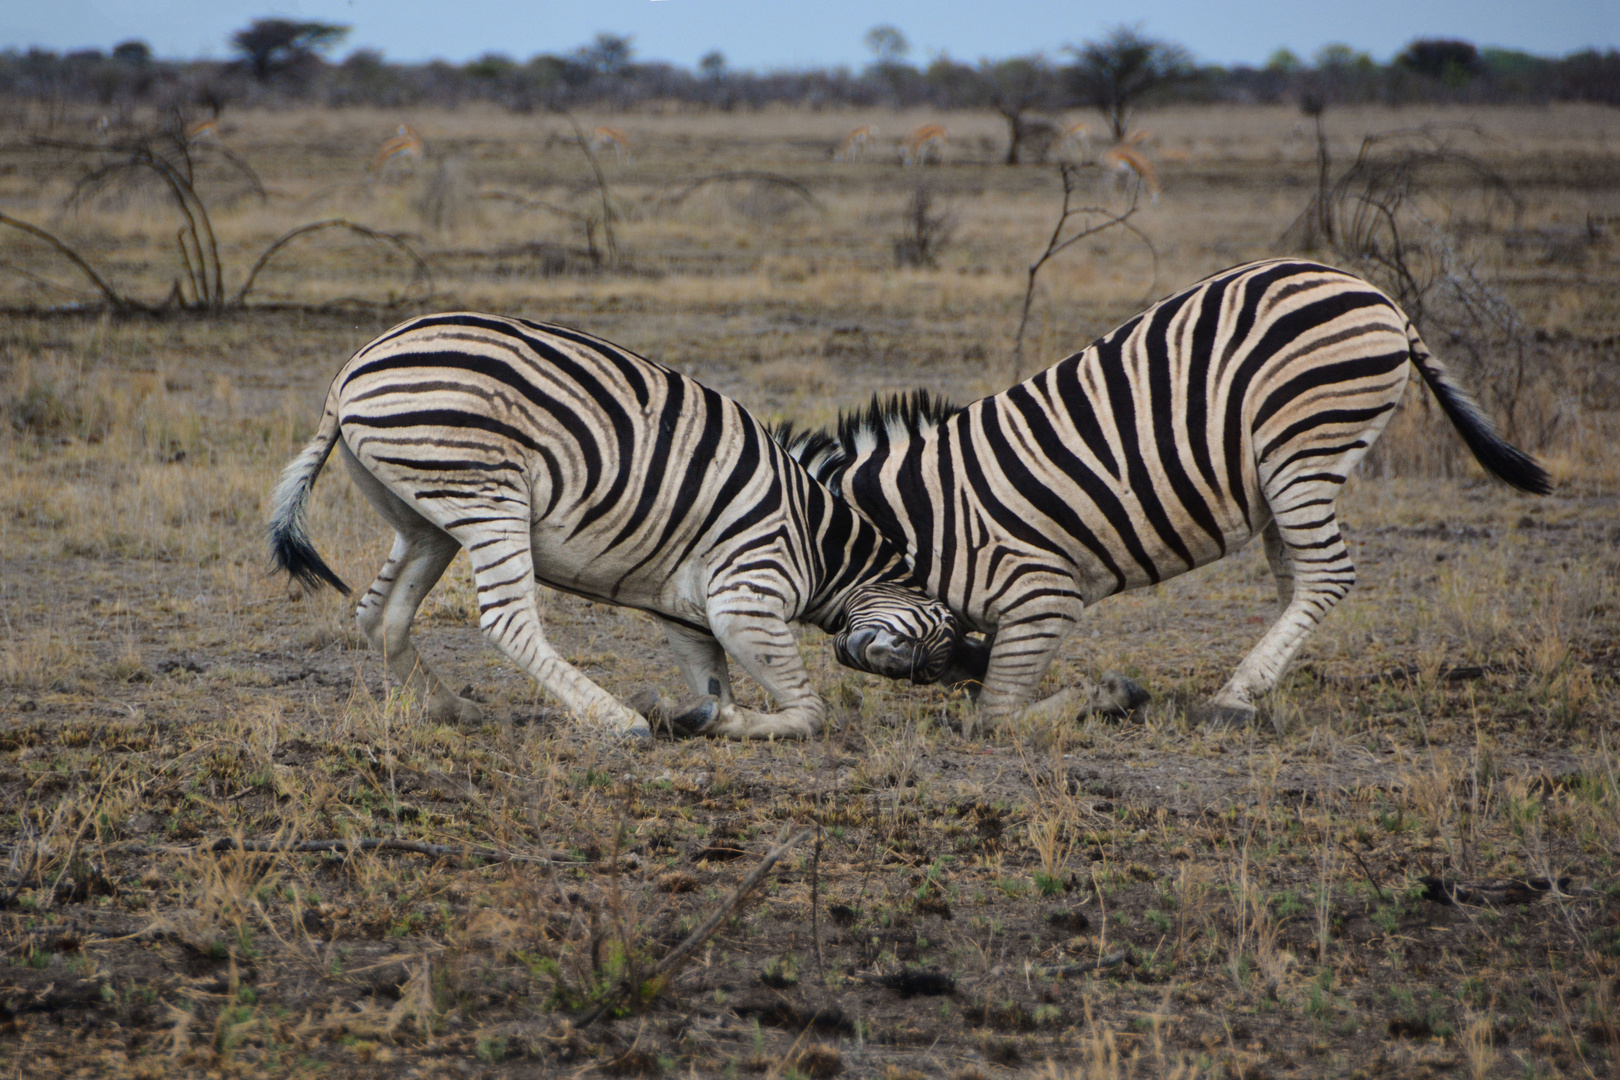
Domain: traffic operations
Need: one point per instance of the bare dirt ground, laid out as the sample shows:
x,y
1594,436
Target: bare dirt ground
x,y
1411,870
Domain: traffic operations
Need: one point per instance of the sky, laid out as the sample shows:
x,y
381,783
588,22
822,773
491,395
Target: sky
x,y
774,34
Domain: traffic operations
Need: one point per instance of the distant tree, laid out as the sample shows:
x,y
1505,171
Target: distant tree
x,y
888,44
1338,55
1284,61
1589,75
951,84
1114,75
608,55
1451,61
1015,88
273,45
133,52
713,65
491,67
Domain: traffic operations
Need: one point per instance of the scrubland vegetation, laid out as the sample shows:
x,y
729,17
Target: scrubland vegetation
x,y
1411,870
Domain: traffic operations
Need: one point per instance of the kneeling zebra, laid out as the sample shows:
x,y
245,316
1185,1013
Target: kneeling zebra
x,y
1237,407
554,456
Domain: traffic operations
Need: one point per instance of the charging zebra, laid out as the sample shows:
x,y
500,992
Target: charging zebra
x,y
554,456
1239,406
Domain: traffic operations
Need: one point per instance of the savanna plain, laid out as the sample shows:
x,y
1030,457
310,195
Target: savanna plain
x,y
1410,867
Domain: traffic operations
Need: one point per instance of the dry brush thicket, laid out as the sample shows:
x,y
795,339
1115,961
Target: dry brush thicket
x,y
1411,871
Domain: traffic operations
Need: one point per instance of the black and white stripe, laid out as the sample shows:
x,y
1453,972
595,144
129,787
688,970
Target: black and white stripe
x,y
552,455
1237,407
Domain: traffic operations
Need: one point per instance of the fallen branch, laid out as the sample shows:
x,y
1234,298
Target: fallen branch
x,y
117,300
1377,888
533,204
673,959
1507,891
286,238
462,852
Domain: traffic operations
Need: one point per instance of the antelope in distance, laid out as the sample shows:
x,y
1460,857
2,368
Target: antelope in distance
x,y
856,144
405,145
608,138
926,140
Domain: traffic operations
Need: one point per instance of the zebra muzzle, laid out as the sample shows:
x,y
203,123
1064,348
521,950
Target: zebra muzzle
x,y
884,653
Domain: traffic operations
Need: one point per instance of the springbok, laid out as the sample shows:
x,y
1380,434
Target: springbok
x,y
856,144
405,143
606,138
915,149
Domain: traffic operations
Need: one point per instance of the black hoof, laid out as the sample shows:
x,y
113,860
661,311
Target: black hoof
x,y
1123,694
695,716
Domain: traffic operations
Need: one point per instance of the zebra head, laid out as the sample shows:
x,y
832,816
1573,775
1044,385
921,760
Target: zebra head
x,y
897,632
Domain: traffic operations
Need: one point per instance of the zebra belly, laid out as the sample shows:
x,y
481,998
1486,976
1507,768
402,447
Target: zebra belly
x,y
612,577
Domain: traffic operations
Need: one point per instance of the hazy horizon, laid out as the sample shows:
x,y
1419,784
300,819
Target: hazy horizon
x,y
767,35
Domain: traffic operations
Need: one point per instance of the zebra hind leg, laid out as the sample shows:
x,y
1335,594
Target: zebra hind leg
x,y
385,614
1314,572
420,555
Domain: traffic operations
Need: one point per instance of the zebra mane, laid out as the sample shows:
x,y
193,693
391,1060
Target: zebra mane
x,y
898,417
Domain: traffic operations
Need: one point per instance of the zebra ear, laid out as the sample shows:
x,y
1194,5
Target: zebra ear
x,y
970,661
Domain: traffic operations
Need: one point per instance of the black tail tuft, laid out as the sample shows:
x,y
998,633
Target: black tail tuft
x,y
298,558
290,549
1499,457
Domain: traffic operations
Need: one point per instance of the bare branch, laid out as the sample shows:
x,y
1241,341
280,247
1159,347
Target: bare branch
x,y
1057,243
671,963
608,213
116,299
396,241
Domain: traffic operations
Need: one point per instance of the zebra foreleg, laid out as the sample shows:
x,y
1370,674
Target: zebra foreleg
x,y
1317,574
702,661
765,648
503,572
1023,650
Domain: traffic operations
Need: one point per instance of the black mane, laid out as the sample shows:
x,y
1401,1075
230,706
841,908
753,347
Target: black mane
x,y
913,413
828,452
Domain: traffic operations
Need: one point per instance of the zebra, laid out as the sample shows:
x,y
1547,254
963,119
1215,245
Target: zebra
x,y
554,456
1239,406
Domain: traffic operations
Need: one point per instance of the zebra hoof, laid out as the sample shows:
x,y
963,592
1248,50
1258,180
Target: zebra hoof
x,y
455,710
1224,715
1122,695
695,716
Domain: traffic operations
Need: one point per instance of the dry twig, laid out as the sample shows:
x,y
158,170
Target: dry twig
x,y
1058,243
671,963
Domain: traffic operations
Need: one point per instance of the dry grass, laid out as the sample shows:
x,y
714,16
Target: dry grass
x,y
1455,719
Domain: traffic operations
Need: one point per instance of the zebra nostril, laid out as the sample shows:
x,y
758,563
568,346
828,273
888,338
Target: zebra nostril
x,y
858,641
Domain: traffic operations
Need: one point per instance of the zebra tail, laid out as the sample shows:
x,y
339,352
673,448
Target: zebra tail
x,y
1499,457
290,549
